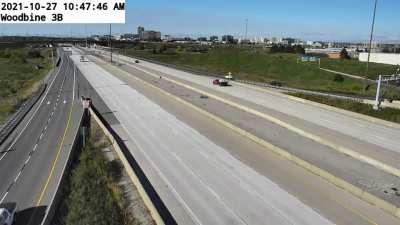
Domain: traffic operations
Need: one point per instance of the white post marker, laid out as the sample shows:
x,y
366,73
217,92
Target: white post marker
x,y
378,93
382,78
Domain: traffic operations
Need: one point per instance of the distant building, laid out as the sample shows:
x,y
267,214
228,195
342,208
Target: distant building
x,y
334,55
384,58
274,40
129,36
202,39
140,30
317,45
229,39
288,41
214,39
244,41
148,35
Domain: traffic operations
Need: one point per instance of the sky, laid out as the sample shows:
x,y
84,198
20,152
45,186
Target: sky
x,y
325,20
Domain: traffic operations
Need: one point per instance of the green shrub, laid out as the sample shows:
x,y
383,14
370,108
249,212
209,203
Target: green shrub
x,y
91,201
338,78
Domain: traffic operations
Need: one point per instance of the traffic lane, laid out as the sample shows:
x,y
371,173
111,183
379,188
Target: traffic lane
x,y
9,142
339,206
34,215
353,171
30,184
28,187
14,161
23,143
366,131
372,148
198,178
84,89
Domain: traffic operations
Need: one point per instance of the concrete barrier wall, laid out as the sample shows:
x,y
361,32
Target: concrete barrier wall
x,y
385,58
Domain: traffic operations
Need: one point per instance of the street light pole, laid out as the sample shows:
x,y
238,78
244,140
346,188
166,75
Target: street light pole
x,y
371,37
247,23
110,45
86,36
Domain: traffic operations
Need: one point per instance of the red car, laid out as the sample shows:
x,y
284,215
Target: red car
x,y
221,82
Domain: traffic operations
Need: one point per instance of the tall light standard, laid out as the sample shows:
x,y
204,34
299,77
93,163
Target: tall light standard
x,y
371,37
247,24
110,45
86,36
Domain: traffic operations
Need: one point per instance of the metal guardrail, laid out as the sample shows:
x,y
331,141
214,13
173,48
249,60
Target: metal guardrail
x,y
20,114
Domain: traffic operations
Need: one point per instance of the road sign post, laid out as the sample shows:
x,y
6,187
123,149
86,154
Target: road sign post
x,y
383,78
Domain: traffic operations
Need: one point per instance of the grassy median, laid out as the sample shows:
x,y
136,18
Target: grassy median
x,y
259,64
94,196
21,72
355,67
388,114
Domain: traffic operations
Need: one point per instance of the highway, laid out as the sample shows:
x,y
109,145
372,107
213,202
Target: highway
x,y
207,174
322,147
381,136
35,154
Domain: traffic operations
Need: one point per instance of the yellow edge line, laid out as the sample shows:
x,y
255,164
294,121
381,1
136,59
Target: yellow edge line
x,y
305,165
55,160
364,217
352,153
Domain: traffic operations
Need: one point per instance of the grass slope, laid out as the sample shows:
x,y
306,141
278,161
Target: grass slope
x,y
355,67
263,66
388,114
19,77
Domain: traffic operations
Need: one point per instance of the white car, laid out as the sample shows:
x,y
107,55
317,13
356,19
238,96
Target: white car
x,y
7,213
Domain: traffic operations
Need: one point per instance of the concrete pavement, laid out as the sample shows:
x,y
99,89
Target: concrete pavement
x,y
333,210
365,177
193,176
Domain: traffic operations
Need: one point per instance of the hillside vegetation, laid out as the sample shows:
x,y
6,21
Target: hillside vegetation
x,y
21,72
262,65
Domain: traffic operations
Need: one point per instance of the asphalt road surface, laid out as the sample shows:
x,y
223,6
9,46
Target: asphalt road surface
x,y
33,157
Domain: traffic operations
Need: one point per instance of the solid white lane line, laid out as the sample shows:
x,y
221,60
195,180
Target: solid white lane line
x,y
3,156
27,160
4,196
16,178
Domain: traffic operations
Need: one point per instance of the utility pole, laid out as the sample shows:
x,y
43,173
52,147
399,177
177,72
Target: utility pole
x,y
371,38
247,22
86,36
110,45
